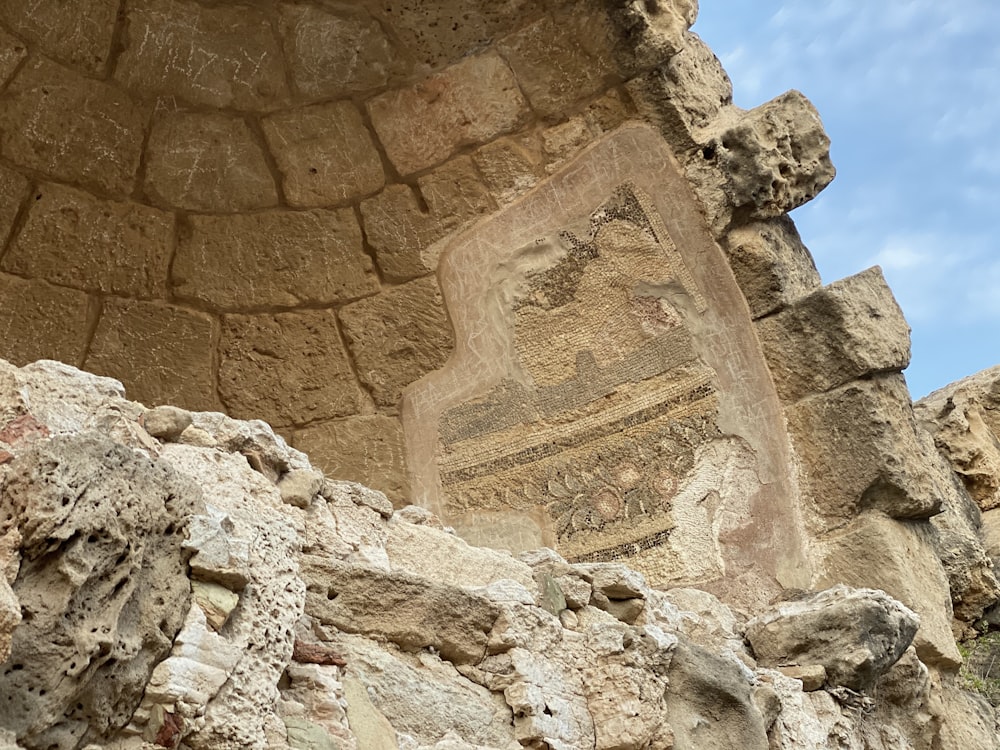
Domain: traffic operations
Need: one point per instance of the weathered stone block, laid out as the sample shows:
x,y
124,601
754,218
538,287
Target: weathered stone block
x,y
13,191
12,51
510,166
207,162
455,194
851,328
77,32
559,63
74,239
651,33
332,55
859,449
71,127
398,336
40,321
274,258
775,157
162,353
771,265
222,56
369,450
471,102
325,154
286,368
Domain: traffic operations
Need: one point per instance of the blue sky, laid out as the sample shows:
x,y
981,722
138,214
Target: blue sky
x,y
909,91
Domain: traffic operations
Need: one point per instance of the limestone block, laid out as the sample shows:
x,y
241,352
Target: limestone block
x,y
221,56
162,353
402,608
72,128
775,157
299,487
331,55
368,450
166,422
102,584
275,258
219,556
207,162
40,320
559,62
12,51
898,557
325,154
77,32
510,166
855,634
771,265
286,368
73,239
858,448
469,103
397,337
13,191
841,332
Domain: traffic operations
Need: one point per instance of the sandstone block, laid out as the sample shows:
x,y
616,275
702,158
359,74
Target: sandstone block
x,y
775,157
74,239
771,265
207,162
369,450
851,328
13,191
221,56
859,448
77,32
38,321
469,103
72,128
510,166
325,154
898,557
12,51
274,258
298,487
856,635
398,336
559,62
162,353
331,55
286,368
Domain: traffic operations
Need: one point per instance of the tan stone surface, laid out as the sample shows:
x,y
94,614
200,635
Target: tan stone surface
x,y
325,154
274,258
368,450
13,191
70,127
12,51
207,162
77,32
510,166
333,54
471,102
838,333
74,239
221,56
162,353
397,337
41,321
286,368
559,61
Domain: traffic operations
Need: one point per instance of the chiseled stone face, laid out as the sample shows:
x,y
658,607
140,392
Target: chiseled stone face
x,y
286,368
77,32
207,162
325,154
273,259
72,128
470,102
45,321
74,239
223,56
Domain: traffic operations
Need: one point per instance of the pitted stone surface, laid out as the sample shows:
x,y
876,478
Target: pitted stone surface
x,y
471,102
207,162
273,258
222,56
288,368
71,127
77,32
325,154
46,322
73,239
162,353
